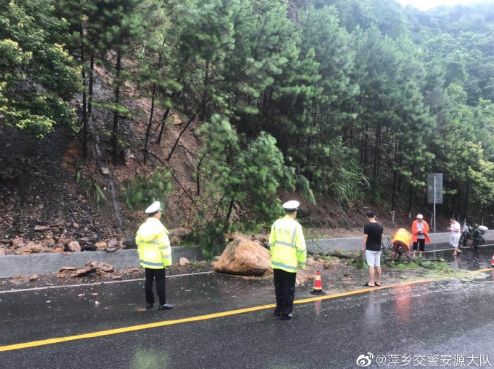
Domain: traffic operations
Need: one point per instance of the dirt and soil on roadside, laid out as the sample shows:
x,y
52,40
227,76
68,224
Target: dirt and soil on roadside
x,y
43,206
99,274
51,200
343,272
347,271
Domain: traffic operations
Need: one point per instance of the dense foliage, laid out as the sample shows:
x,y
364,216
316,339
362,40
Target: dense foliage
x,y
355,100
37,75
143,190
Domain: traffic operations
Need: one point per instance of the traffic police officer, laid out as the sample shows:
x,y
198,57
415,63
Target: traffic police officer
x,y
288,252
155,255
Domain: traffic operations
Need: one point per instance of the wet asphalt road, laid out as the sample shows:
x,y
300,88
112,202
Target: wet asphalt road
x,y
407,322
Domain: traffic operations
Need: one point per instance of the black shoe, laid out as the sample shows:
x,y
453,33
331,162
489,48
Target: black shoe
x,y
277,313
286,316
149,306
165,307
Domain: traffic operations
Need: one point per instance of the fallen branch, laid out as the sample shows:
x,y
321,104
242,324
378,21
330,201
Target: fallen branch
x,y
189,122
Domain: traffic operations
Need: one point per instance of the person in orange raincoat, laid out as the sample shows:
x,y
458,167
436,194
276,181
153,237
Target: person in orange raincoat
x,y
420,234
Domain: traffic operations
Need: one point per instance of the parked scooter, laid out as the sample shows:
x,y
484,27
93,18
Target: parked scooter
x,y
474,233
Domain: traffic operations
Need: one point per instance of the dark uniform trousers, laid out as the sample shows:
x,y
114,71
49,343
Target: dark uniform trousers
x,y
284,287
159,275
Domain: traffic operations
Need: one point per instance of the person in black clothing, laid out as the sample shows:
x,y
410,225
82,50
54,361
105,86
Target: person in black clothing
x,y
477,236
371,247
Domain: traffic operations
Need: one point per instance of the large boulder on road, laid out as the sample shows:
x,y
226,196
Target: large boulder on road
x,y
244,257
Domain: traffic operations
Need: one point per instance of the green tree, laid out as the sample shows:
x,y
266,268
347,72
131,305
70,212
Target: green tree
x,y
76,12
234,179
37,75
116,28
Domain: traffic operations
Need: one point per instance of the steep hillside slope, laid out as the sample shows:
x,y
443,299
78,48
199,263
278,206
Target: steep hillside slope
x,y
49,196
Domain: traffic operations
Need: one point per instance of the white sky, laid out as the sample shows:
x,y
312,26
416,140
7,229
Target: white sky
x,y
428,4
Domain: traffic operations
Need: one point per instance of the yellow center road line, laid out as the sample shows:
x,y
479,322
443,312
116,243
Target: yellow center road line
x,y
134,328
222,314
483,270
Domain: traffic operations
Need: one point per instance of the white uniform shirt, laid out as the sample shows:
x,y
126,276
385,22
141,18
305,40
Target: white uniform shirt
x,y
455,227
455,233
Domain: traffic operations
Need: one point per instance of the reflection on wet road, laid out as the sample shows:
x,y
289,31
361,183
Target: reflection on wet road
x,y
469,258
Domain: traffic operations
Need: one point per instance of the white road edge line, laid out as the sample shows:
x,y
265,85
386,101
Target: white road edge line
x,y
452,248
97,283
141,279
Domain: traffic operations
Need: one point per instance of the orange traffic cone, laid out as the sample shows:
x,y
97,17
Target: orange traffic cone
x,y
317,290
492,261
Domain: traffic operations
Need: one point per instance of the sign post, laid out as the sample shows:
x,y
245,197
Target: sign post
x,y
434,193
434,200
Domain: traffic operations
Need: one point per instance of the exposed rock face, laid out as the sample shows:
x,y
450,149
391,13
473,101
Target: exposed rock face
x,y
18,242
244,257
102,267
184,261
128,156
177,235
303,276
31,248
113,245
74,246
89,268
101,245
130,242
41,228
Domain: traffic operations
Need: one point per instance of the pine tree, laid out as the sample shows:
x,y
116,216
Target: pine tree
x,y
116,27
37,75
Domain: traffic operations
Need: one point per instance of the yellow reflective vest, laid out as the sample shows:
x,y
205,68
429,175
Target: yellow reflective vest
x,y
153,245
287,245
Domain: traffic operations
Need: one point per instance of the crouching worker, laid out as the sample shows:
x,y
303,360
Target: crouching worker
x,y
155,255
402,241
